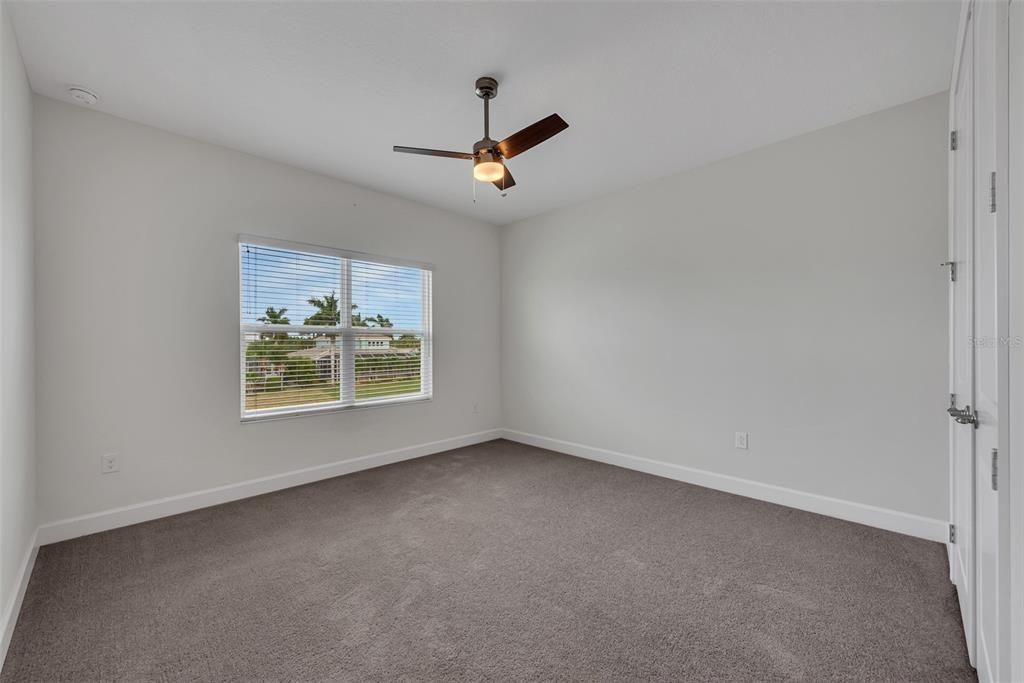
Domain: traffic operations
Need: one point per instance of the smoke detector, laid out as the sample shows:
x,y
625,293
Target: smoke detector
x,y
83,96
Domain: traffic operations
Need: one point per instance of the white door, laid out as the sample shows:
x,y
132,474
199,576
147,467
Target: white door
x,y
962,465
990,343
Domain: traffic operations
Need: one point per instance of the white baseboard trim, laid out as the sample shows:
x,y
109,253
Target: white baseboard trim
x,y
73,527
881,518
9,616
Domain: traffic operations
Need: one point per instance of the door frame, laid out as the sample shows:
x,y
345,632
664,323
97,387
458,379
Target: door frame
x,y
964,528
1014,192
965,8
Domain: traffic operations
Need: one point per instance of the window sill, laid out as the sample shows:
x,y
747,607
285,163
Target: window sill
x,y
291,413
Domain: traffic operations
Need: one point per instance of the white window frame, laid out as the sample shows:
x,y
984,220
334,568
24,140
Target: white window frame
x,y
345,332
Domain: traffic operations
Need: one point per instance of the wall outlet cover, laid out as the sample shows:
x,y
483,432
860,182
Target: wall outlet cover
x,y
109,463
741,439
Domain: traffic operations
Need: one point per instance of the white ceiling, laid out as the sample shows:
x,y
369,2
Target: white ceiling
x,y
647,88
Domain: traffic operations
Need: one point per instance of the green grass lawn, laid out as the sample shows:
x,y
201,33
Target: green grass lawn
x,y
291,397
368,390
324,393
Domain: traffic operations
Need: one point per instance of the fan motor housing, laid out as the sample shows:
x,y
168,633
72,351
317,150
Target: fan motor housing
x,y
484,144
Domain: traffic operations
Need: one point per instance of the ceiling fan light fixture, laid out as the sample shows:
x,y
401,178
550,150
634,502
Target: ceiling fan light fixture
x,y
487,167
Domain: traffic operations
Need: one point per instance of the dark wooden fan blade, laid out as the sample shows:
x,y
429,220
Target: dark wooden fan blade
x,y
506,182
433,152
531,136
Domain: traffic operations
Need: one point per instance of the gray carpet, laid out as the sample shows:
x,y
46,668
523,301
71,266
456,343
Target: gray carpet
x,y
493,562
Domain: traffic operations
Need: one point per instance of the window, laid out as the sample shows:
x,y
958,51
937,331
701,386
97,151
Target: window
x,y
323,329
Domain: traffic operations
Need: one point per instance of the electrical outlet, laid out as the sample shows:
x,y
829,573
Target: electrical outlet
x,y
109,463
741,440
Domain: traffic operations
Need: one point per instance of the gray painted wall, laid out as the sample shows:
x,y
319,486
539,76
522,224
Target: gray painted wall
x,y
792,292
17,402
137,243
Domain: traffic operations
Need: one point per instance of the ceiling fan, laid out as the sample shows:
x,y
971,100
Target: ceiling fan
x,y
489,155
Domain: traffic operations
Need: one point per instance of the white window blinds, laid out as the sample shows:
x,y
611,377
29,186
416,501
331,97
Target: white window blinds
x,y
323,329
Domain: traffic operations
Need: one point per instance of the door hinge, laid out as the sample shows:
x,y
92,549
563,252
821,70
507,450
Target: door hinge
x,y
952,533
995,469
992,193
952,140
952,269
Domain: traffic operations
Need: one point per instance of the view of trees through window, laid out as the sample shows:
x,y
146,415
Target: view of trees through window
x,y
379,350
